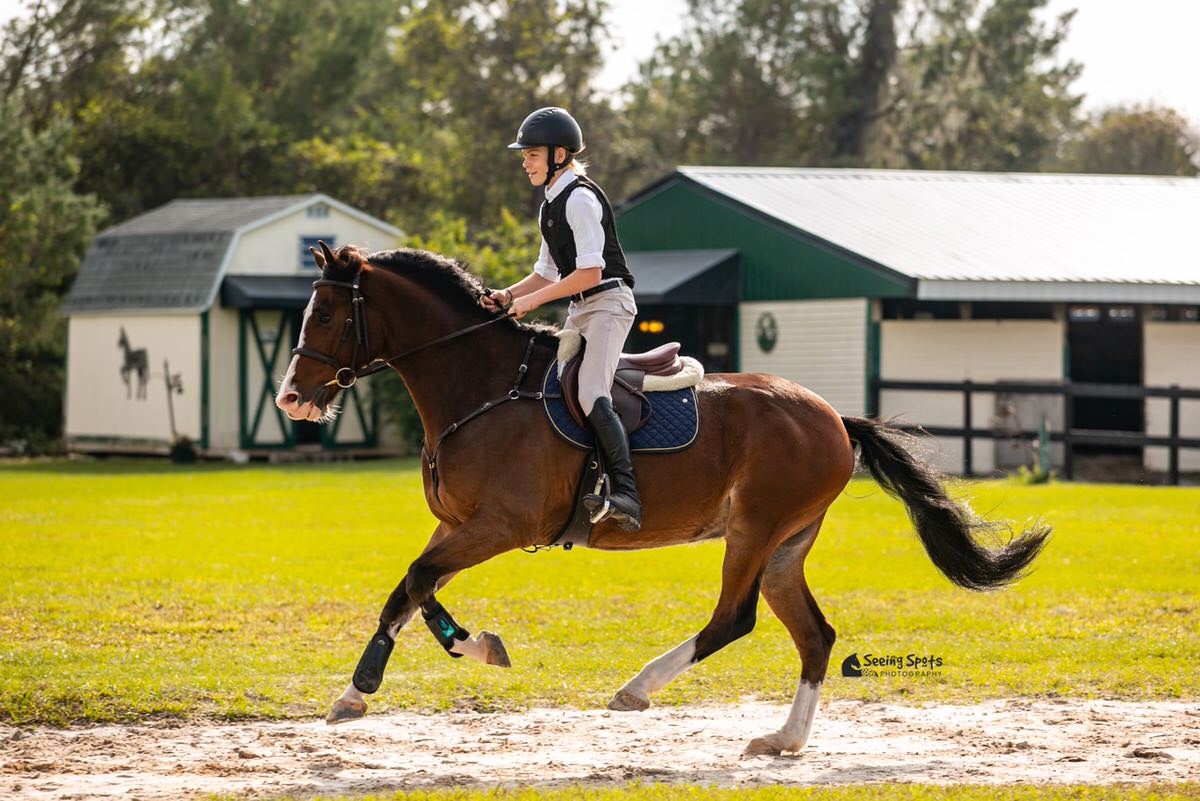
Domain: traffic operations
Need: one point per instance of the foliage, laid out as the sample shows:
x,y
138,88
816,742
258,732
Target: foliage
x,y
45,226
1137,140
969,85
985,94
184,595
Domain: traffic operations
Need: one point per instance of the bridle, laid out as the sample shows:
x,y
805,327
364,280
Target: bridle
x,y
347,375
358,321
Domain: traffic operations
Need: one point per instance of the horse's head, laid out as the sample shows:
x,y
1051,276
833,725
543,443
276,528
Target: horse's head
x,y
334,340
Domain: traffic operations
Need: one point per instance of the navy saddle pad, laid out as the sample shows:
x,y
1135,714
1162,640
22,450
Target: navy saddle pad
x,y
673,424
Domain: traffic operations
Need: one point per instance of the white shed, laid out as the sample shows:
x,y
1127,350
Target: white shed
x,y
182,319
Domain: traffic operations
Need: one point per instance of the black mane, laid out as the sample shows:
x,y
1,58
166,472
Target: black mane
x,y
454,282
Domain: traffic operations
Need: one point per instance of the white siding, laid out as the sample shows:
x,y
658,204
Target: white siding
x,y
223,380
960,350
274,249
99,404
821,344
1172,356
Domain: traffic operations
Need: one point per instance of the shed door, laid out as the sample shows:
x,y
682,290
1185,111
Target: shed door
x,y
267,337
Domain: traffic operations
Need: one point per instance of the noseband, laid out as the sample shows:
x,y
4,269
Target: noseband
x,y
347,375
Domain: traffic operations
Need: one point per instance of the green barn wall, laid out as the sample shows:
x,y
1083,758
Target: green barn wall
x,y
776,263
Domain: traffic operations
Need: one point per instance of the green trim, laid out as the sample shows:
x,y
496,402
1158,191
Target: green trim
x,y
204,368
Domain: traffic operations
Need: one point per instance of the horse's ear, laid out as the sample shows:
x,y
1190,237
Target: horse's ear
x,y
320,259
329,259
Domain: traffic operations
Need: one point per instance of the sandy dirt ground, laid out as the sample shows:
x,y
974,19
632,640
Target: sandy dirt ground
x,y
999,742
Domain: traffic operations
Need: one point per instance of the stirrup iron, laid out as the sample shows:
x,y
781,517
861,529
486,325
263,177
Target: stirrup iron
x,y
601,491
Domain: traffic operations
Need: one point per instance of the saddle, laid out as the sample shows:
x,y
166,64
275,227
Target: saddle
x,y
630,382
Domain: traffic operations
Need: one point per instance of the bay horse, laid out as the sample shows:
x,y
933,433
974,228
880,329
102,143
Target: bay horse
x,y
768,461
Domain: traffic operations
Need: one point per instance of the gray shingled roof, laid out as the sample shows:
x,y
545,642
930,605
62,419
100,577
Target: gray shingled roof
x,y
170,258
951,229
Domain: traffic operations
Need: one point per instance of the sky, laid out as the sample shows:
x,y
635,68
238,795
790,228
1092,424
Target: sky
x,y
1132,50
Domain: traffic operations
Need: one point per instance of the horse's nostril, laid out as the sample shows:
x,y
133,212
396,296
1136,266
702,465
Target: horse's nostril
x,y
291,397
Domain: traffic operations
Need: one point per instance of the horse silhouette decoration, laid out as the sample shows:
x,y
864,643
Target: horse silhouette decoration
x,y
137,362
768,461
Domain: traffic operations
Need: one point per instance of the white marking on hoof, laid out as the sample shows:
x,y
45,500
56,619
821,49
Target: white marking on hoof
x,y
625,701
772,745
350,705
485,647
345,711
655,675
794,734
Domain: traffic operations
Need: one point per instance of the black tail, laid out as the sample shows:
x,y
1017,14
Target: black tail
x,y
947,528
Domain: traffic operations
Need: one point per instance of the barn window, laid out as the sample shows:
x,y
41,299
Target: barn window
x,y
1005,310
318,212
1084,314
306,242
907,309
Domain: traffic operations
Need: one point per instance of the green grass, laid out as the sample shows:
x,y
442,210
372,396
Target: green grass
x,y
904,792
137,588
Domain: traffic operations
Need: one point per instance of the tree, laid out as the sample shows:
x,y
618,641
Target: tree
x,y
979,89
1136,140
45,227
951,84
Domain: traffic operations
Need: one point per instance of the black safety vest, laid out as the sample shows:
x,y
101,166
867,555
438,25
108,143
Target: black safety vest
x,y
560,239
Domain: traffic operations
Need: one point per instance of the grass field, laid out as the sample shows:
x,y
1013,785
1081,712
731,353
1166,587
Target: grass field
x,y
131,588
859,793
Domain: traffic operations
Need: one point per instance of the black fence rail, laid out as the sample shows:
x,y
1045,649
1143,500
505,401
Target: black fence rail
x,y
1069,436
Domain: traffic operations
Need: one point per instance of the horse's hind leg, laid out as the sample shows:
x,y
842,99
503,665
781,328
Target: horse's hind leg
x,y
733,617
787,593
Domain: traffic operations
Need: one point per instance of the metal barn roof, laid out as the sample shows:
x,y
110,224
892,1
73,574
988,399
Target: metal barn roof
x,y
172,258
991,235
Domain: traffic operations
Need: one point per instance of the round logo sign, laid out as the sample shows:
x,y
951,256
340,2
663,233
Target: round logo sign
x,y
767,332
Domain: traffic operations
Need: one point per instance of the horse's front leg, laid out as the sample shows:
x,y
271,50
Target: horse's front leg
x,y
448,552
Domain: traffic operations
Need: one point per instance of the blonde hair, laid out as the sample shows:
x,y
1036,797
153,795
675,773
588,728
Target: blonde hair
x,y
578,167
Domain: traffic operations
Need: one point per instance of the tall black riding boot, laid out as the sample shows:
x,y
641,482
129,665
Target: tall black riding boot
x,y
624,506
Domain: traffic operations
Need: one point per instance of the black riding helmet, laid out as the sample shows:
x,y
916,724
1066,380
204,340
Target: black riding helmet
x,y
550,127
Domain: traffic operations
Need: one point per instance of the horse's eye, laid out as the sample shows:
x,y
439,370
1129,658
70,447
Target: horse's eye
x,y
324,317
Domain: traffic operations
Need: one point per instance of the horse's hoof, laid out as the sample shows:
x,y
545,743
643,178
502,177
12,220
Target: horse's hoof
x,y
494,649
344,711
625,701
770,745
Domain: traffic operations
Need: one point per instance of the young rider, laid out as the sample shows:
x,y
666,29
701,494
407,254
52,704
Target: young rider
x,y
580,258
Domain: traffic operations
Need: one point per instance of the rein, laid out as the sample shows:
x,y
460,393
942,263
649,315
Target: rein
x,y
358,320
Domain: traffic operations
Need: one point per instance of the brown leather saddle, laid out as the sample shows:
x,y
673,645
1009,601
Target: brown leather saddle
x,y
628,398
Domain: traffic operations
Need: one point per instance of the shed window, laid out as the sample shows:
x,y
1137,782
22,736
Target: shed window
x,y
306,242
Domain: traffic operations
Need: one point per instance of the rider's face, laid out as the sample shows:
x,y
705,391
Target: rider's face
x,y
534,162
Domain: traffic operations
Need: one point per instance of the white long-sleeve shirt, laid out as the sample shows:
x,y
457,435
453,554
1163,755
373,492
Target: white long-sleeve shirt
x,y
583,215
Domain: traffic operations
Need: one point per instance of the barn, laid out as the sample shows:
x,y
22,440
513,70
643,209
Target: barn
x,y
985,307
181,320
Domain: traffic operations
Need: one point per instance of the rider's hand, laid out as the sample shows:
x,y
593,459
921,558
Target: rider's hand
x,y
521,307
492,302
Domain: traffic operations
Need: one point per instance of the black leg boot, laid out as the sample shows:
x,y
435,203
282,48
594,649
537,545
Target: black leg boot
x,y
624,506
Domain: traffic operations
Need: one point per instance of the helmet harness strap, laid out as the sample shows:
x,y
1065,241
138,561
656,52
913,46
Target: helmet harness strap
x,y
552,164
